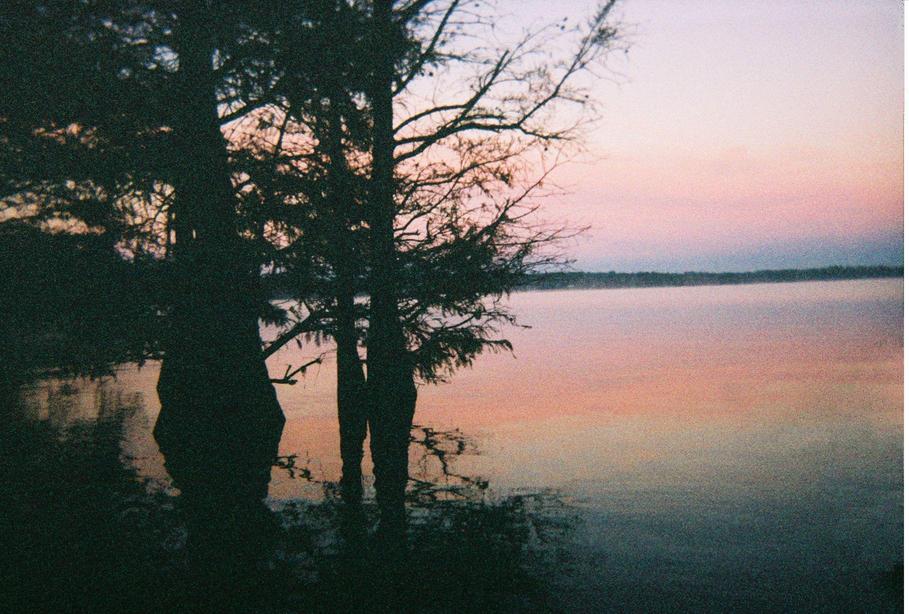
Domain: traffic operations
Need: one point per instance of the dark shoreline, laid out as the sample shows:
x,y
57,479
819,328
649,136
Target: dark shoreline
x,y
580,280
613,280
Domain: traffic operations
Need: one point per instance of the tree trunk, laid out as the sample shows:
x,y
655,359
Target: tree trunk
x,y
392,393
351,382
351,399
213,353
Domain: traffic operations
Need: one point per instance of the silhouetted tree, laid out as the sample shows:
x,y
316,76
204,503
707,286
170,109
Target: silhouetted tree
x,y
310,193
232,138
444,192
114,119
340,130
451,226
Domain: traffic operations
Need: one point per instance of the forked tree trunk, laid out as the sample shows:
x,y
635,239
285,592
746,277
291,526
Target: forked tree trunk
x,y
213,354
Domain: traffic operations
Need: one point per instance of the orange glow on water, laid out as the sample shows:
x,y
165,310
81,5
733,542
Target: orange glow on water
x,y
660,386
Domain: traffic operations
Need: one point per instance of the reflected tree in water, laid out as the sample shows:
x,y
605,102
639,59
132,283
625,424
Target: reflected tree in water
x,y
214,143
159,128
466,551
83,529
221,463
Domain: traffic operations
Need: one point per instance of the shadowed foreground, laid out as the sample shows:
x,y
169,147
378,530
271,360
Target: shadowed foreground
x,y
83,532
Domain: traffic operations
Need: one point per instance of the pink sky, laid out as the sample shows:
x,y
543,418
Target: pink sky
x,y
741,135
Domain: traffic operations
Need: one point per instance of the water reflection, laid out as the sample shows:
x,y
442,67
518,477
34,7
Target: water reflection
x,y
80,529
85,530
732,448
221,463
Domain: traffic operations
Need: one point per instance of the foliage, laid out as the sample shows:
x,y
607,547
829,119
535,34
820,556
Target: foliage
x,y
88,146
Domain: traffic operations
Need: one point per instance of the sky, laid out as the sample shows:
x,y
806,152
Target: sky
x,y
739,135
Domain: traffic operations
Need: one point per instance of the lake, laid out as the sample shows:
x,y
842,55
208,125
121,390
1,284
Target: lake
x,y
713,448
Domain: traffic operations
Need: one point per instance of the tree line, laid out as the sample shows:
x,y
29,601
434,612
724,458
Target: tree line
x,y
651,279
397,149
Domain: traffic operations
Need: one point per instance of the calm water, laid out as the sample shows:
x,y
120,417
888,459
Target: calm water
x,y
720,448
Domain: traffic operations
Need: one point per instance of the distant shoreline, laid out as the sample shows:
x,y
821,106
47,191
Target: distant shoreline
x,y
586,280
594,281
